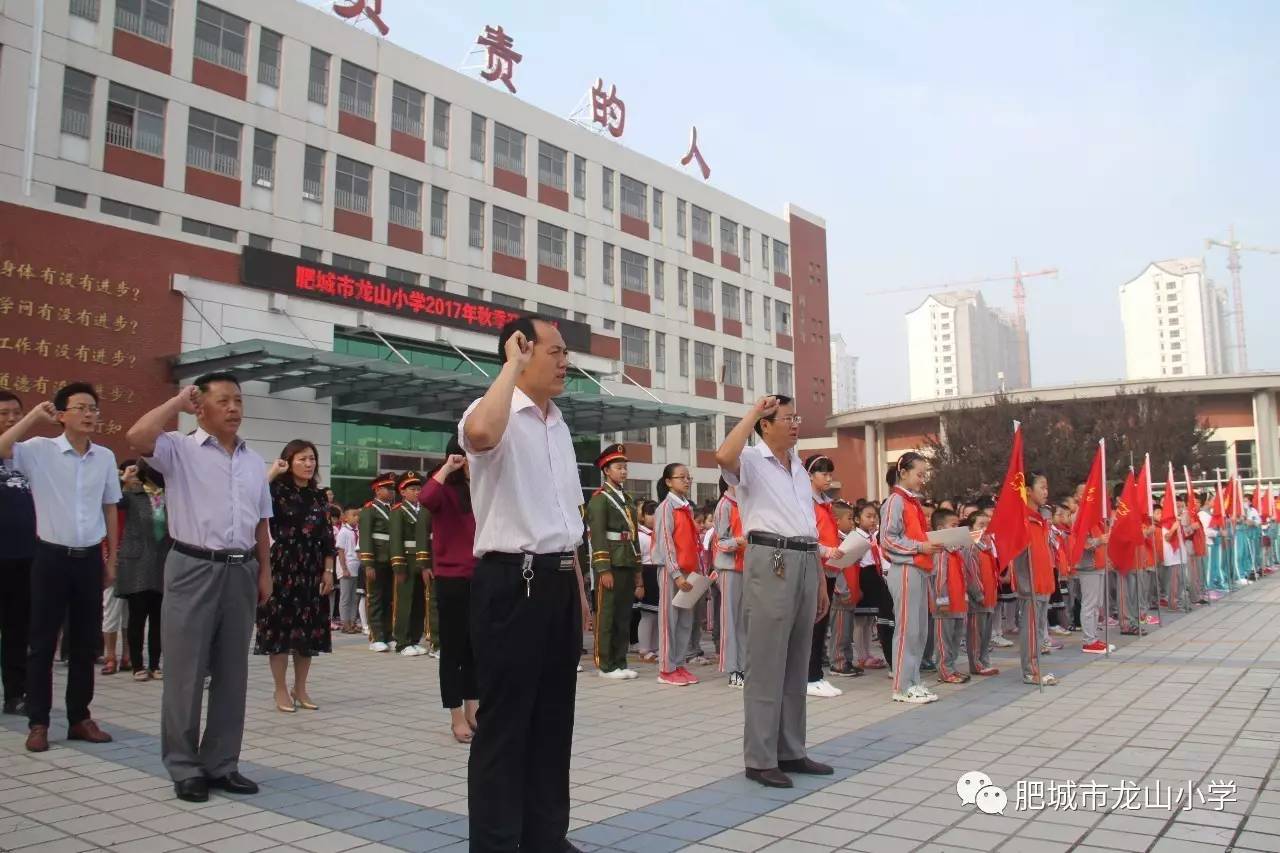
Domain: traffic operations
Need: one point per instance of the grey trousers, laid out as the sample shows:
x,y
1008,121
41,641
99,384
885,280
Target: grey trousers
x,y
778,616
910,589
676,625
1033,609
1090,603
1195,578
206,619
1173,586
949,630
733,639
347,600
979,645
1130,588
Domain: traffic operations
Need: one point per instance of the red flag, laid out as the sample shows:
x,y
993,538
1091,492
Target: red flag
x,y
1169,508
1199,543
1217,515
1009,520
1126,532
1090,513
1268,508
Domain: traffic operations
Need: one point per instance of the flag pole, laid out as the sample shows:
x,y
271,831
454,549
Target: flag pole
x,y
1106,555
1202,579
1155,566
1137,579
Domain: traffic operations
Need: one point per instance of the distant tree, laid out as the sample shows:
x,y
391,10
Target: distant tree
x,y
972,450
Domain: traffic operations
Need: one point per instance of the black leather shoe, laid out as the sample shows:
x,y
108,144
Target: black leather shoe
x,y
771,778
569,847
234,783
193,790
805,765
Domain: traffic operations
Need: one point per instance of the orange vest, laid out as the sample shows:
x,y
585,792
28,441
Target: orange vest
x,y
685,535
913,524
954,579
828,533
990,575
1060,553
735,527
1042,581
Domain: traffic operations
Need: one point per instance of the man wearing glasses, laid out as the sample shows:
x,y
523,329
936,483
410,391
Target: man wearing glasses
x,y
75,486
784,592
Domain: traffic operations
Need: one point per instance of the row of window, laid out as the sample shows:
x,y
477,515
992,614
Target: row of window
x,y
736,368
221,38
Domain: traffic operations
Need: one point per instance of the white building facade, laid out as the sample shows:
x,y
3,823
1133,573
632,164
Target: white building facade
x,y
958,345
274,126
844,376
1174,322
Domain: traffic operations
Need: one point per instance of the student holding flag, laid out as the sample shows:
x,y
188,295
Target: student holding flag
x,y
1086,550
1198,545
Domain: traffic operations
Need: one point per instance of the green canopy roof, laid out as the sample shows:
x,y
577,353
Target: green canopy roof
x,y
429,394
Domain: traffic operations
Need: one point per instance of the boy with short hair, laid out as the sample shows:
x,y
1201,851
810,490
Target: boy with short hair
x,y
348,566
951,599
843,603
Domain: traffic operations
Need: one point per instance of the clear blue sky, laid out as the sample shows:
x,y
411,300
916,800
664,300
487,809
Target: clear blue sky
x,y
940,140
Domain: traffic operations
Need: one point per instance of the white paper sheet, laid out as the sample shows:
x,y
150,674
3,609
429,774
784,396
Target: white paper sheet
x,y
685,600
956,537
851,551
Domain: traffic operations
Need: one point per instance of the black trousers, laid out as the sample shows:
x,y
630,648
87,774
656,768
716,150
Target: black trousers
x,y
63,585
15,624
820,636
527,650
457,662
144,610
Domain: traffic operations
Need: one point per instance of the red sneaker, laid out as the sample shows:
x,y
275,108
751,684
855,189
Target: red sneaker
x,y
1097,647
674,678
990,670
689,677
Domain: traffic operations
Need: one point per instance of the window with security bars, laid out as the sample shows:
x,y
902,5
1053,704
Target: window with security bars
x,y
440,124
87,9
730,301
400,276
635,346
580,255
682,354
606,187
508,148
635,272
351,185
659,353
220,37
405,197
781,257
508,233
704,361
355,90
264,159
635,198
701,225
478,126
702,298
749,371
607,264
732,368
318,78
746,245
439,212
579,176
764,251
657,209
704,434
551,165
407,106
313,175
475,224
728,236
213,144
77,102
747,299
551,246
269,42
785,385
682,287
135,120
768,376
659,274
682,229
782,317
147,18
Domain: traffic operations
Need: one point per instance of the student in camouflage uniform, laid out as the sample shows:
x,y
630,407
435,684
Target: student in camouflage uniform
x,y
410,563
375,560
615,559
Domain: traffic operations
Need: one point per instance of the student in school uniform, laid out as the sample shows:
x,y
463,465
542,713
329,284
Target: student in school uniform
x,y
1173,569
348,566
676,554
1197,552
1033,581
903,537
1061,607
983,584
820,469
844,600
730,551
951,601
647,632
873,610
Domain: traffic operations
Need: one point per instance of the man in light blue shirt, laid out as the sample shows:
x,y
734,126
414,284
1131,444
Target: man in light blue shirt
x,y
75,487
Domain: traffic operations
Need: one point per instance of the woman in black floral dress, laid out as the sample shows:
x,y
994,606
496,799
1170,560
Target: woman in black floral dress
x,y
295,619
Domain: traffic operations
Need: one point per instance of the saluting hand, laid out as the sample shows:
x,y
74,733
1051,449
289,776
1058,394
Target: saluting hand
x,y
45,413
765,407
454,462
277,468
188,399
519,350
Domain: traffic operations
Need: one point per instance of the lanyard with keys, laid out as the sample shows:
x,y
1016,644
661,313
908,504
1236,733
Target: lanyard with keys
x,y
526,572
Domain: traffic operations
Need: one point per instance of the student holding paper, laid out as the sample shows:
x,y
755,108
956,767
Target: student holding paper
x,y
983,579
951,601
675,550
820,469
730,549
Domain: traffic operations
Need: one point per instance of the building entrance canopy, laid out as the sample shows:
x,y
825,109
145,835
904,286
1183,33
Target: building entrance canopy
x,y
373,386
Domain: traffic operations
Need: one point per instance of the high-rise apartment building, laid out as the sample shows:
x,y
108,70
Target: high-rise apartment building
x,y
844,376
958,345
1175,322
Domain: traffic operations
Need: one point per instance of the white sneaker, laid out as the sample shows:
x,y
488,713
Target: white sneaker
x,y
1001,642
630,674
408,652
915,696
579,667
379,647
823,689
1059,631
613,674
926,691
737,681
433,653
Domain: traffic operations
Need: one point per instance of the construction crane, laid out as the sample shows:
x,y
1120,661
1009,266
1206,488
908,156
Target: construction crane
x,y
1019,301
1234,247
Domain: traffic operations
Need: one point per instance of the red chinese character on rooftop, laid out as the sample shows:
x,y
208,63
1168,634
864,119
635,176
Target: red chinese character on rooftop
x,y
695,154
608,110
502,59
371,9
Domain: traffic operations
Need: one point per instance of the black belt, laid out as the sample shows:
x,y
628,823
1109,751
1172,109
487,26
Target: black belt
x,y
558,560
783,543
230,556
68,551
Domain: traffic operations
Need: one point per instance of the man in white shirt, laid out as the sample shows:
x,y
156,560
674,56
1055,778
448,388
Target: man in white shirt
x,y
527,600
785,594
75,486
